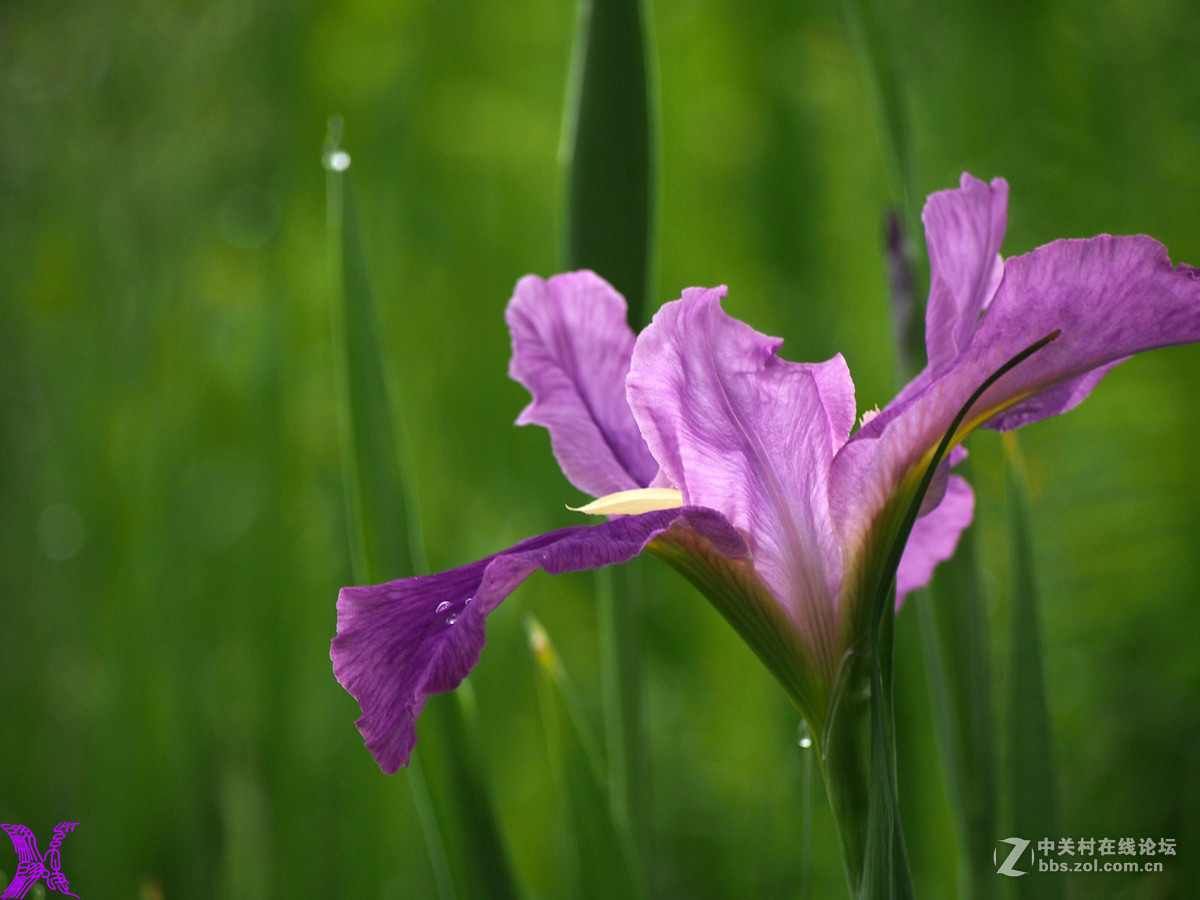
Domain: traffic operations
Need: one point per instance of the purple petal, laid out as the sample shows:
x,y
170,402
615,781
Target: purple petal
x,y
741,431
1107,297
934,537
1111,297
963,230
400,642
571,349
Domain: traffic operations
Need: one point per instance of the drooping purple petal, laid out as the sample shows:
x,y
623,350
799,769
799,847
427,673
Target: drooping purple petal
x,y
963,231
741,431
934,537
1106,297
400,642
571,348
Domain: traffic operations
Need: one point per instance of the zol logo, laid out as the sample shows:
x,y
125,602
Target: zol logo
x,y
32,865
1006,867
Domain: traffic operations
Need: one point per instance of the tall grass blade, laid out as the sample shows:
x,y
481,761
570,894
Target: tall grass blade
x,y
609,129
1032,784
885,863
606,865
607,147
384,539
954,631
465,846
804,737
884,87
953,622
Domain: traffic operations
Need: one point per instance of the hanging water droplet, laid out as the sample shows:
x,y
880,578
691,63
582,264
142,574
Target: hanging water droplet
x,y
451,619
803,735
443,606
337,161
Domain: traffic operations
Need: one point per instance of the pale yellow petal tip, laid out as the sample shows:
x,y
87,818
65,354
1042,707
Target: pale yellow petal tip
x,y
630,503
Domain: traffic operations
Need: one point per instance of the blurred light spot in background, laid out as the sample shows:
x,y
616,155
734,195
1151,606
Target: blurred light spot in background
x,y
60,531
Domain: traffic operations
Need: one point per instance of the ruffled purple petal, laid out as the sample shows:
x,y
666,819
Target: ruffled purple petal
x,y
739,430
1107,297
963,230
1111,297
400,642
571,348
934,537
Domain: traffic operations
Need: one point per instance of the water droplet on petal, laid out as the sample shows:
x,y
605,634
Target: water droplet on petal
x,y
468,600
443,606
451,619
804,735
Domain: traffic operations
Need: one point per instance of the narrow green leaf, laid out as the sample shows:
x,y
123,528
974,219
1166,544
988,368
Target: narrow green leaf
x,y
805,740
954,631
1032,784
384,537
908,275
891,111
885,859
418,784
608,134
619,623
605,860
462,834
885,864
607,146
455,770
953,623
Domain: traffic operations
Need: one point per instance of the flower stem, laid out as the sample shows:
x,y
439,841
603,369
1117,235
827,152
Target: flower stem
x,y
845,764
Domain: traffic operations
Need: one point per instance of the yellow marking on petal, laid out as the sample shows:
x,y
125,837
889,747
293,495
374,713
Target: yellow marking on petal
x,y
629,503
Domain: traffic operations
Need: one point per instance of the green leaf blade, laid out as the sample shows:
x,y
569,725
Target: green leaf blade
x,y
954,629
609,130
462,833
608,148
1032,780
384,537
607,864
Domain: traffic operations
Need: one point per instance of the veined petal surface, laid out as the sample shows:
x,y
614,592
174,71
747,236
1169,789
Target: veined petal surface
x,y
398,643
571,348
1105,297
963,231
739,430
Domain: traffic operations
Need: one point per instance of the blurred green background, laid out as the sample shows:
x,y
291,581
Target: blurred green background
x,y
172,534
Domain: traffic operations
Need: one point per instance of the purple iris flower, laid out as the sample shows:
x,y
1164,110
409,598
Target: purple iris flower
x,y
739,468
